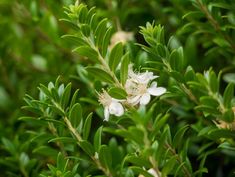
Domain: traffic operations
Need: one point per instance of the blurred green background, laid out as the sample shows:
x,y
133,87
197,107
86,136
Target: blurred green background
x,y
32,52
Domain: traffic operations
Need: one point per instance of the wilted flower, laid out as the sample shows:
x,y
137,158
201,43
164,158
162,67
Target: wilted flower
x,y
111,105
138,89
121,36
225,125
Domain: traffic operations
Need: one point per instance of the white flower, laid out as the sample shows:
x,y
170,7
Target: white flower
x,y
143,78
152,172
142,93
137,87
111,105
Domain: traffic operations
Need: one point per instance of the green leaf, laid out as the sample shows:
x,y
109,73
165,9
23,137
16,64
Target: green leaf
x,y
100,31
90,14
97,139
213,82
93,21
85,28
66,96
220,5
220,41
183,154
56,122
160,122
40,137
137,134
117,151
178,138
117,93
229,77
129,173
193,14
24,159
205,130
77,40
124,68
46,151
55,95
197,86
45,90
177,76
169,165
178,169
207,109
167,132
228,116
228,95
87,147
74,98
123,133
60,162
52,169
60,88
100,74
88,52
227,145
140,170
189,74
83,11
87,126
177,59
138,161
221,133
9,146
70,24
34,121
75,115
57,109
105,156
209,101
115,56
106,41
202,169
63,140
162,50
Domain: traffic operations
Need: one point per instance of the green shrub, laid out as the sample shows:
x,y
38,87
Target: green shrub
x,y
158,101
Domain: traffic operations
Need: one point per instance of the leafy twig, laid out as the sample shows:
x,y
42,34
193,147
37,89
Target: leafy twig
x,y
79,138
215,24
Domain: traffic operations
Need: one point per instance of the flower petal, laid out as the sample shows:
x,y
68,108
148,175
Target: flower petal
x,y
120,110
145,99
153,84
144,78
134,100
156,91
153,172
106,114
116,109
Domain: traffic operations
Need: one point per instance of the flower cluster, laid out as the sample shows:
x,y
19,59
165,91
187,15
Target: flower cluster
x,y
139,88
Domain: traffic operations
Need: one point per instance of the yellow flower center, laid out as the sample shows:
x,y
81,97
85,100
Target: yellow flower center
x,y
105,99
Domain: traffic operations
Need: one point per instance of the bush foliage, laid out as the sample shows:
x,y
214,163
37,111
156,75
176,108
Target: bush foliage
x,y
117,88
